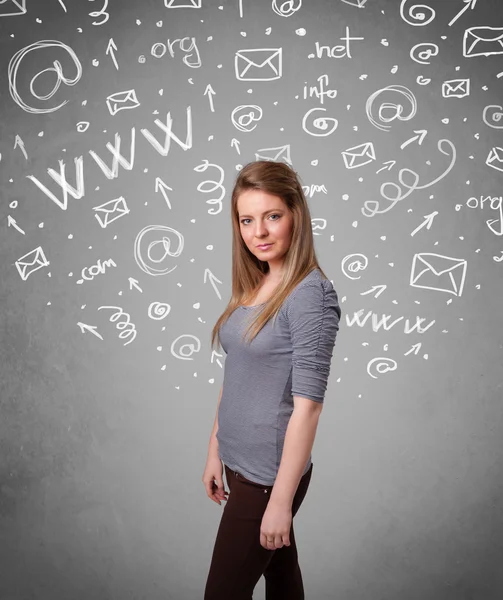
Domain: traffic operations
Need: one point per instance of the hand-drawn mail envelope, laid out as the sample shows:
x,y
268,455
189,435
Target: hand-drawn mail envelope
x,y
274,154
11,8
436,272
483,41
359,155
111,211
456,88
31,262
258,64
122,101
495,158
182,3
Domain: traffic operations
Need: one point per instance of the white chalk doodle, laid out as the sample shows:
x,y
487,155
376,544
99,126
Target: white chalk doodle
x,y
311,190
339,51
353,263
420,18
286,9
432,271
111,47
482,41
425,52
11,222
12,8
245,115
278,153
216,185
31,262
15,63
186,350
357,3
158,310
163,244
389,111
89,273
371,207
210,92
381,365
182,3
91,328
128,327
496,112
468,4
83,126
118,158
159,49
419,137
258,64
18,143
118,101
60,179
319,91
111,211
100,13
320,126
162,187
495,158
456,88
358,156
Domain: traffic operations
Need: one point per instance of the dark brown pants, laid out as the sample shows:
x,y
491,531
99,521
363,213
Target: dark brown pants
x,y
239,560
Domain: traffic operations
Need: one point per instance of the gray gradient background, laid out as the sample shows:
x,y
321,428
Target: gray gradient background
x,y
102,449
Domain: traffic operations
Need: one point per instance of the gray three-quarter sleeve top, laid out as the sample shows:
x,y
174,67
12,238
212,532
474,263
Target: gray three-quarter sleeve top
x,y
287,359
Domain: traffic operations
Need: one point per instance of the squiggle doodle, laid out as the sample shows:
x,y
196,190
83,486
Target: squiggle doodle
x,y
129,328
165,243
217,185
158,310
99,13
397,108
419,16
320,123
372,205
15,61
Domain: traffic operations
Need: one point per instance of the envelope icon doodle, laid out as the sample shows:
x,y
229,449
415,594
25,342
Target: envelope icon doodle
x,y
456,88
258,64
495,158
111,211
11,8
31,262
359,155
358,3
281,153
182,4
122,101
483,41
437,272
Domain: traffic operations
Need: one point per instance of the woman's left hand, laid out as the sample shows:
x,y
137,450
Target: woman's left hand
x,y
275,526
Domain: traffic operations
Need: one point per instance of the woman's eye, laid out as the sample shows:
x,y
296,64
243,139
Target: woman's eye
x,y
273,215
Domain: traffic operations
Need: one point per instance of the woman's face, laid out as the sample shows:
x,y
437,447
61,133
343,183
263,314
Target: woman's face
x,y
265,219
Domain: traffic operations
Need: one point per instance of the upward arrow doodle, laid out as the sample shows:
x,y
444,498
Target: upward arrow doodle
x,y
110,50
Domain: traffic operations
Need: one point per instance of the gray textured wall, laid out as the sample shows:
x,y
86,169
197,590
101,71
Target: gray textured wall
x,y
106,412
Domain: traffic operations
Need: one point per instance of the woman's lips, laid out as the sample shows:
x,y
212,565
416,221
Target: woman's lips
x,y
264,247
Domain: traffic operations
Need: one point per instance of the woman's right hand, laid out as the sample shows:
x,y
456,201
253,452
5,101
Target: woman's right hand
x,y
213,472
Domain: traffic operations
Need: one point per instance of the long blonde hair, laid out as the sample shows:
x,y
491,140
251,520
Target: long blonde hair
x,y
247,270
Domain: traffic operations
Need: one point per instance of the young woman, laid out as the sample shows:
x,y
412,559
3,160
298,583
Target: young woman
x,y
275,378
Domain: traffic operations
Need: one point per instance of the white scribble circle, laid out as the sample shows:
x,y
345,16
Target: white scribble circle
x,y
354,263
381,365
158,310
158,250
186,350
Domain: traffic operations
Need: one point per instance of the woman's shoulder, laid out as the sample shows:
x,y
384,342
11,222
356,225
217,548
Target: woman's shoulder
x,y
313,290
